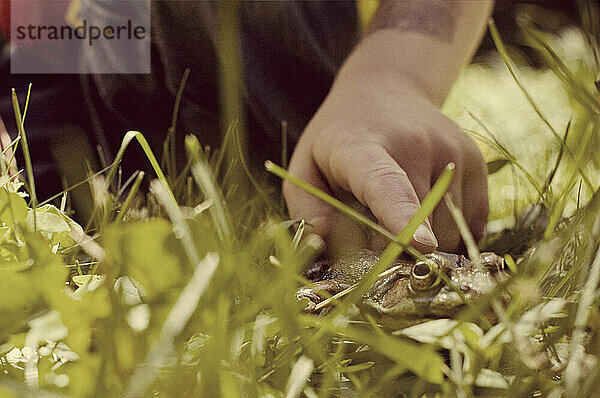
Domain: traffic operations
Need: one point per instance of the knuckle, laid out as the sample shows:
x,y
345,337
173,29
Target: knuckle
x,y
377,176
420,139
414,143
388,185
342,157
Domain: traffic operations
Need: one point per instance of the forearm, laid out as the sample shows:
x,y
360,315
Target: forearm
x,y
420,43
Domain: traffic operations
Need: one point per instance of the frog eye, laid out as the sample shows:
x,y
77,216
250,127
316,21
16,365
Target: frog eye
x,y
422,276
504,266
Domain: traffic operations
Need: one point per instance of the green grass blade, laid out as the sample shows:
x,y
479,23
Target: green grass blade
x,y
558,159
504,152
536,39
205,180
26,103
241,158
298,235
586,299
347,210
463,228
149,154
130,197
507,62
184,233
169,157
26,154
72,187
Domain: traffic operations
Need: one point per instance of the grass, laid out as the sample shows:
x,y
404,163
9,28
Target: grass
x,y
191,291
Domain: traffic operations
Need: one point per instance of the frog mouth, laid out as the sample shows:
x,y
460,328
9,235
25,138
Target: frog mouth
x,y
401,300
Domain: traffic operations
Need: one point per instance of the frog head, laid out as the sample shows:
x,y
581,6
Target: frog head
x,y
408,289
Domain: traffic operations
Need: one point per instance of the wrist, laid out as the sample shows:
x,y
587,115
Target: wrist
x,y
404,61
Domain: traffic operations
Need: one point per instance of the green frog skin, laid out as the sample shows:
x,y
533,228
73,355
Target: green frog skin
x,y
411,291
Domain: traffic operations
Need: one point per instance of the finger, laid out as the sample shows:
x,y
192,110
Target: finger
x,y
421,185
475,194
417,164
453,146
443,223
377,181
5,142
340,233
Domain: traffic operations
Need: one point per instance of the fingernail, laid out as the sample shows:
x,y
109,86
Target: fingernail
x,y
424,236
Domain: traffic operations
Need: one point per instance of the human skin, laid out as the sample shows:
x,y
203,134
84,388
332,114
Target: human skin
x,y
379,136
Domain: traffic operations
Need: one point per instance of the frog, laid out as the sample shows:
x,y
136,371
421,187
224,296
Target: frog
x,y
409,291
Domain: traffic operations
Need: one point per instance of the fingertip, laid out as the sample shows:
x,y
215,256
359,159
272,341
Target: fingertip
x,y
424,240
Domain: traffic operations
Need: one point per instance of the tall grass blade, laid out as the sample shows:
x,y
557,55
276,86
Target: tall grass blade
x,y
130,197
579,91
504,152
149,154
573,370
26,154
180,227
231,78
298,235
169,157
507,62
27,98
340,206
242,161
463,228
205,180
558,159
298,377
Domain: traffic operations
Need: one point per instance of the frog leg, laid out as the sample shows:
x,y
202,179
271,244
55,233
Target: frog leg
x,y
313,293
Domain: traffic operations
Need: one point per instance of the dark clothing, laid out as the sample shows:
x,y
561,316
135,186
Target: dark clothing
x,y
290,52
56,112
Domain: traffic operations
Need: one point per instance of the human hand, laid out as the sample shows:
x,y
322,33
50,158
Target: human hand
x,y
384,143
7,151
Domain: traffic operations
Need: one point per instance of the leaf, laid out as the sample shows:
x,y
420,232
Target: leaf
x,y
47,327
13,208
298,376
496,165
130,290
148,253
87,283
530,321
428,332
422,360
51,223
31,287
491,379
19,298
441,331
49,220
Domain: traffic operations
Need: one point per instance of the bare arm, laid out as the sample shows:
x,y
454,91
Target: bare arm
x,y
425,41
379,135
